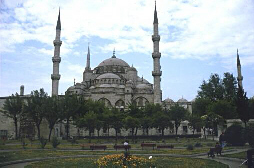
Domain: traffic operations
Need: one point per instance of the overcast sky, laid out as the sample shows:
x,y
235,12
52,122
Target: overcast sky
x,y
198,38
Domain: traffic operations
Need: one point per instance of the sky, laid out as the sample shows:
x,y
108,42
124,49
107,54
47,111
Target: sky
x,y
198,38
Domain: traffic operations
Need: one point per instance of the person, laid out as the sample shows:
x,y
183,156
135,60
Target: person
x,y
126,145
222,140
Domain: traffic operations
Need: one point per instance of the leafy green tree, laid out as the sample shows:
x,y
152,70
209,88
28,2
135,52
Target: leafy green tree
x,y
200,106
133,124
117,120
12,108
242,106
71,105
88,121
212,90
230,87
53,112
162,121
178,114
195,123
34,108
223,108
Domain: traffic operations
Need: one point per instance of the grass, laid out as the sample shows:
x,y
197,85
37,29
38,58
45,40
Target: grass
x,y
240,155
159,162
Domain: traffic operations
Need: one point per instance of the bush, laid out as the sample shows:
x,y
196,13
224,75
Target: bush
x,y
190,147
43,142
198,144
55,142
235,135
250,135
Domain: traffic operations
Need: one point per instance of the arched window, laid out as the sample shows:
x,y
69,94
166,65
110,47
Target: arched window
x,y
120,103
106,102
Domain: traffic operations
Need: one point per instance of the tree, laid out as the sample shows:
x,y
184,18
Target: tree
x,y
223,108
53,112
88,121
117,120
162,121
12,108
131,123
230,87
178,114
34,108
242,106
199,107
195,123
213,89
71,105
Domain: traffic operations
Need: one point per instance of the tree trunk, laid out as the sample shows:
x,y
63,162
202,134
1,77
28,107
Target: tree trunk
x,y
67,129
39,131
147,131
136,133
204,133
50,131
98,132
116,135
176,129
16,127
89,136
162,132
132,132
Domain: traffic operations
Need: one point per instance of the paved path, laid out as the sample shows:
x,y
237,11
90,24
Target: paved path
x,y
232,162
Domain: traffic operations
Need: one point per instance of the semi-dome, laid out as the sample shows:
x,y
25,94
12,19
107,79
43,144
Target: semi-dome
x,y
131,69
182,100
113,61
108,76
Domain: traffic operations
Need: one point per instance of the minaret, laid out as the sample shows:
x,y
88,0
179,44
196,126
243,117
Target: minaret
x,y
88,59
156,60
56,59
239,72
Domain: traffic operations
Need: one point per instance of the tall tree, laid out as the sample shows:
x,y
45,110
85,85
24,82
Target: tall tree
x,y
117,120
242,106
53,112
34,108
230,87
200,106
223,108
178,114
71,105
195,123
12,108
162,121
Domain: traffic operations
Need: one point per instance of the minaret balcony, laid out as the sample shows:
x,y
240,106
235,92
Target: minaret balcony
x,y
156,55
156,73
55,76
155,38
240,78
57,42
56,59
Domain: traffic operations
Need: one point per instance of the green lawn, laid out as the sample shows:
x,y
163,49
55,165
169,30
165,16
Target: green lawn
x,y
240,155
159,162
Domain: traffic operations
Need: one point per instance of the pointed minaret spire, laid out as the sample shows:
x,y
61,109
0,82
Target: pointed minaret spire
x,y
156,60
88,59
155,20
239,71
58,26
114,53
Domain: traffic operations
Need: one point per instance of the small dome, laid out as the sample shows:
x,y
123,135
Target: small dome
x,y
182,100
142,80
108,76
168,100
113,61
143,86
71,88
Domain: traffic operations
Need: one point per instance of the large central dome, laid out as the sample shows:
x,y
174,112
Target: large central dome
x,y
113,61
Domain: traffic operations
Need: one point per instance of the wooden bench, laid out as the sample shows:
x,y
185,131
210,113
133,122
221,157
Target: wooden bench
x,y
148,145
94,147
126,147
165,146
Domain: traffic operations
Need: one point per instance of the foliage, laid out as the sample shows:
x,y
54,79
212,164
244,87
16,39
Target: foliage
x,y
34,108
117,120
198,144
12,108
195,123
118,160
55,142
199,106
223,108
235,135
190,147
178,114
242,106
43,142
162,121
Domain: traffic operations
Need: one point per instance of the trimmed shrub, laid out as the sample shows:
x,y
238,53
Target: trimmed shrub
x,y
55,142
198,144
235,135
190,147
